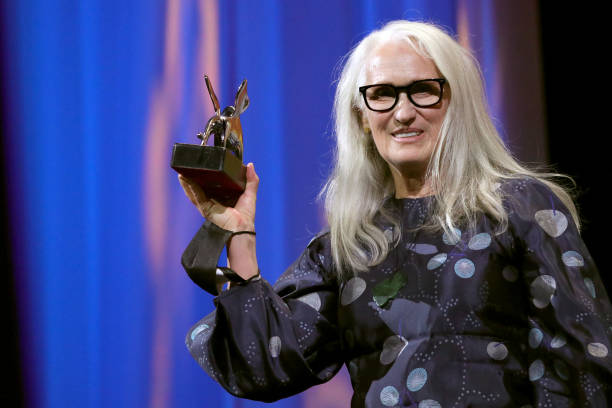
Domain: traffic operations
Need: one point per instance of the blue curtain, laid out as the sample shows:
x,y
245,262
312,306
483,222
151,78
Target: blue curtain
x,y
97,92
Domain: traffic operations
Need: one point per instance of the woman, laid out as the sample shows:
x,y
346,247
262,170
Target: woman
x,y
450,276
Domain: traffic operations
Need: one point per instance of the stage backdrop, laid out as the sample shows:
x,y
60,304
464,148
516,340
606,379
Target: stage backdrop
x,y
97,91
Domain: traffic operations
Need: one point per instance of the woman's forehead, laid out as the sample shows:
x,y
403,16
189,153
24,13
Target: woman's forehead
x,y
398,62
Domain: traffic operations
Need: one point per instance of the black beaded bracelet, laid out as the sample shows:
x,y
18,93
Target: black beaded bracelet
x,y
243,232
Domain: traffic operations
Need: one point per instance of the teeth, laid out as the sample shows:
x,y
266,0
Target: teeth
x,y
410,134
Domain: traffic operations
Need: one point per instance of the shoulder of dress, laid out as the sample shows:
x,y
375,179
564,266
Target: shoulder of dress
x,y
519,184
322,235
531,202
529,191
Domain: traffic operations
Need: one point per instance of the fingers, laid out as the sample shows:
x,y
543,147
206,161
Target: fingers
x,y
198,198
246,202
192,190
252,183
242,216
186,184
252,176
208,207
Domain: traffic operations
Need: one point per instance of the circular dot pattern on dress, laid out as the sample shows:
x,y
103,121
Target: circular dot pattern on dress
x,y
588,282
389,396
422,249
312,299
542,290
429,403
416,379
553,222
572,258
479,241
561,369
352,290
510,273
198,330
497,350
535,337
558,341
461,325
389,234
436,261
464,268
448,239
597,350
274,345
536,370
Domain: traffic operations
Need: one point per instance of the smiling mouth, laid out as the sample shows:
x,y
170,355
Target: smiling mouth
x,y
405,135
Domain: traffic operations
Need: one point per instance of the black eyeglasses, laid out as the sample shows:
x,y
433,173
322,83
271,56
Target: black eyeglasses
x,y
384,97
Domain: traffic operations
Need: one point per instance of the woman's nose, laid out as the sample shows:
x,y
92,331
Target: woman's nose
x,y
405,111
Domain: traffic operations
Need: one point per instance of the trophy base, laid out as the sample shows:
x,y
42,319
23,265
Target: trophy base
x,y
221,175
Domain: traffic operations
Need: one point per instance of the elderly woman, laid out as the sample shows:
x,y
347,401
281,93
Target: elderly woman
x,y
450,276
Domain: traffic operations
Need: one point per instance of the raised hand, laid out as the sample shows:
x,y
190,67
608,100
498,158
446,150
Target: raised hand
x,y
241,248
241,217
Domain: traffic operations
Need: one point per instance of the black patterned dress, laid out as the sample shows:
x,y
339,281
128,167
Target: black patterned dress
x,y
517,319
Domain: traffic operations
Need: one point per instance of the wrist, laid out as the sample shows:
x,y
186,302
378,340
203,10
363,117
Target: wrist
x,y
243,227
241,253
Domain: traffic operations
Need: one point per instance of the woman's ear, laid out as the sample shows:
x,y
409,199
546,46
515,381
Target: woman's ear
x,y
364,123
359,115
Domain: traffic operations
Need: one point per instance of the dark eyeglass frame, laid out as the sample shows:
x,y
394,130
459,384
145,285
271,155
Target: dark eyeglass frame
x,y
399,89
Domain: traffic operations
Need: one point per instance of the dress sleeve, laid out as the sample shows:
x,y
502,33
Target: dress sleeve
x,y
569,313
266,343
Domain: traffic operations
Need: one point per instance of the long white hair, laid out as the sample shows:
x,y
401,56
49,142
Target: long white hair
x,y
468,161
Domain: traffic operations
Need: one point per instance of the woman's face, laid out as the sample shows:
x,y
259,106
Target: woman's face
x,y
406,135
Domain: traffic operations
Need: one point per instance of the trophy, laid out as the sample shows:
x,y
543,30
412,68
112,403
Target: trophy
x,y
218,169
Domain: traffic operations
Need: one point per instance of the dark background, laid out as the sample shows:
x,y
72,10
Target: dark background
x,y
577,85
11,393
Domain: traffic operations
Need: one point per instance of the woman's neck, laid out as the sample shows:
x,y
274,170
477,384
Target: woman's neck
x,y
411,186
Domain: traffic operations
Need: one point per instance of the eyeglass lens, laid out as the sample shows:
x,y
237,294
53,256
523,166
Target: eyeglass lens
x,y
421,93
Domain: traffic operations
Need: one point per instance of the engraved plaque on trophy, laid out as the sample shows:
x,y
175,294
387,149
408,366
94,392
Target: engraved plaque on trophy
x,y
218,169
